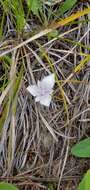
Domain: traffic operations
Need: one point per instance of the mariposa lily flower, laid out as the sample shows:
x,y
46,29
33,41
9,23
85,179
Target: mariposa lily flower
x,y
42,91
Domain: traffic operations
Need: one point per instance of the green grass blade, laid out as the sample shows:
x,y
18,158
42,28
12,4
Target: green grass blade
x,y
66,6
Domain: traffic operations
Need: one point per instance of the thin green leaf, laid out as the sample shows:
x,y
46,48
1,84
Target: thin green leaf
x,y
66,6
35,6
18,11
82,149
3,116
16,90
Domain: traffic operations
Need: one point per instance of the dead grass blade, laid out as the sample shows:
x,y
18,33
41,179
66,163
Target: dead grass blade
x,y
49,29
48,127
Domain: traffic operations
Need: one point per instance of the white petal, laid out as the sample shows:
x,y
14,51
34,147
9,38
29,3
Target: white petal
x,y
45,100
33,89
37,99
49,81
39,83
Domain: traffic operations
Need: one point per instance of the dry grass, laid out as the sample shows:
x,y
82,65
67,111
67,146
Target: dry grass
x,y
35,141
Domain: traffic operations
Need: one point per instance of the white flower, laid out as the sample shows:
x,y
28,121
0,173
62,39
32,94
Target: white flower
x,y
43,90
